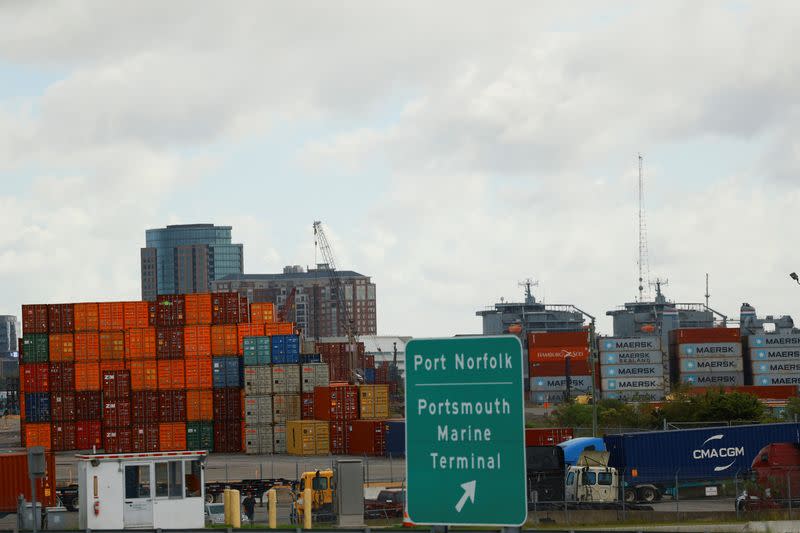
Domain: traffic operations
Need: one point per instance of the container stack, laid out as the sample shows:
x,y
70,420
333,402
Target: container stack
x,y
774,359
337,357
632,369
551,356
707,357
337,404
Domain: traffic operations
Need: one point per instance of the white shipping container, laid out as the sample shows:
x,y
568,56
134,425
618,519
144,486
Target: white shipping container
x,y
257,380
632,344
711,349
631,358
770,380
636,396
776,367
559,383
712,364
774,340
631,371
776,354
285,379
314,375
285,407
632,384
714,379
257,410
279,438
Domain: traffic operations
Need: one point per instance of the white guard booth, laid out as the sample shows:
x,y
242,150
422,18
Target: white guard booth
x,y
142,490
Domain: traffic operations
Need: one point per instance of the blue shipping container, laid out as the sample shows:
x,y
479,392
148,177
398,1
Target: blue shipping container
x,y
395,438
37,407
369,375
227,372
693,454
285,358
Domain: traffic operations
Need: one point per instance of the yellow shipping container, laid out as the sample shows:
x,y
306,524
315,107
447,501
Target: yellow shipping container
x,y
307,437
373,402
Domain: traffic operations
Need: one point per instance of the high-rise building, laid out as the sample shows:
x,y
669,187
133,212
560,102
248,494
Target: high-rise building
x,y
9,332
186,258
316,307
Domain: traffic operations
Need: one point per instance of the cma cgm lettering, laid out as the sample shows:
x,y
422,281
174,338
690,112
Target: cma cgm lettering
x,y
712,379
631,371
631,358
779,367
765,354
638,344
766,380
777,340
717,349
726,364
559,383
632,384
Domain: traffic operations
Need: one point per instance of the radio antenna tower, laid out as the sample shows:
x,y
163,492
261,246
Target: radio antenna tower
x,y
527,284
644,266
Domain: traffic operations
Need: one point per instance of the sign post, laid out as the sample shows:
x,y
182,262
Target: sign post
x,y
465,431
37,467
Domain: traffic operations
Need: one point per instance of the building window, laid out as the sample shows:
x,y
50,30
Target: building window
x,y
169,479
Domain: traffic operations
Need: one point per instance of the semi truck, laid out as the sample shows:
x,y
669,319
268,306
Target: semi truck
x,y
774,478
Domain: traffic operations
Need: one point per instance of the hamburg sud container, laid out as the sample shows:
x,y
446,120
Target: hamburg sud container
x,y
632,368
707,357
775,359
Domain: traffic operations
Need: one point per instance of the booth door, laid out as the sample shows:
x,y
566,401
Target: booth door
x,y
138,510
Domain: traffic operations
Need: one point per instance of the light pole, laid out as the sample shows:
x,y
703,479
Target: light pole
x,y
795,277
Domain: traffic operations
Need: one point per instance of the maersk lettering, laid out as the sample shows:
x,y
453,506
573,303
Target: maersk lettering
x,y
784,367
643,384
716,379
714,349
636,371
717,364
782,341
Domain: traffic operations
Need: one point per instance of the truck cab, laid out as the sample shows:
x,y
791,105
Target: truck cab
x,y
592,480
321,484
775,477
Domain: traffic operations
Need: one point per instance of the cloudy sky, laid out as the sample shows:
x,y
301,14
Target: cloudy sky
x,y
452,149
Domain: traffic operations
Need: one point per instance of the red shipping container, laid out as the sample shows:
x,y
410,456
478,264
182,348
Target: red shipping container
x,y
88,406
87,317
224,340
116,413
116,384
307,406
34,319
247,330
88,434
14,466
197,341
369,361
558,339
144,407
62,407
152,314
61,318
336,402
547,436
140,343
367,437
22,404
339,437
171,310
144,438
227,436
558,368
172,436
169,343
262,313
199,405
87,347
35,377
198,309
556,354
225,308
117,440
108,366
63,436
172,406
701,335
62,347
112,346
135,315
61,377
144,374
171,374
199,373
111,316
244,310
227,404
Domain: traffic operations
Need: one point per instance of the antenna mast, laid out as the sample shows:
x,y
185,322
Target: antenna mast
x,y
644,267
527,284
707,294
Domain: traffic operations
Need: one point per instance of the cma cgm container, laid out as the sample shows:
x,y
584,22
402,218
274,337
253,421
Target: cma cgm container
x,y
14,466
703,454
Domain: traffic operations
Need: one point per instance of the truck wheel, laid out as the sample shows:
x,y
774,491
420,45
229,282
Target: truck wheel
x,y
648,494
630,496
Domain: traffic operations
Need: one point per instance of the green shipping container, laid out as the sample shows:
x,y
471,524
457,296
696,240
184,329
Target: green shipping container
x,y
35,348
200,436
257,351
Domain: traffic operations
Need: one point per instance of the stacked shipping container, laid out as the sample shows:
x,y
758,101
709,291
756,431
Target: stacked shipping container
x,y
707,357
774,359
553,356
632,369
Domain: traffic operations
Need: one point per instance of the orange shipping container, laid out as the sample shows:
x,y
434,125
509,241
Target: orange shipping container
x,y
140,343
135,315
199,405
87,347
543,355
196,340
108,366
558,339
37,435
171,374
223,340
87,376
172,436
198,373
247,330
198,309
144,374
86,317
111,316
262,313
112,346
62,347
279,328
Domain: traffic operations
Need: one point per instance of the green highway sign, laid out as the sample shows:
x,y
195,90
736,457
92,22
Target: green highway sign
x,y
465,431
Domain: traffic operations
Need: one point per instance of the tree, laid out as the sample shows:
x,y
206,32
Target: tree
x,y
713,406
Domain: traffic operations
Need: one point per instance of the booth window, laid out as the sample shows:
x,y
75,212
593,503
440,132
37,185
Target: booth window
x,y
169,479
137,481
193,477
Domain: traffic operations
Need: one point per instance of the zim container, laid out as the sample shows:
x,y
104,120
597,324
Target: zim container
x,y
62,407
200,436
61,318
116,384
117,440
307,437
144,438
116,413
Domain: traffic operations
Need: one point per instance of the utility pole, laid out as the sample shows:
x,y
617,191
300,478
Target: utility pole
x,y
707,294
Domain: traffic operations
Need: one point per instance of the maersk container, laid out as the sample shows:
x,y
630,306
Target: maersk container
x,y
774,354
712,364
714,379
775,340
770,380
551,396
777,367
632,344
711,349
632,384
703,454
635,395
631,371
559,383
631,358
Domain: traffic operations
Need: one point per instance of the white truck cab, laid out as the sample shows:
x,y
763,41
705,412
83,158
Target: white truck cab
x,y
592,480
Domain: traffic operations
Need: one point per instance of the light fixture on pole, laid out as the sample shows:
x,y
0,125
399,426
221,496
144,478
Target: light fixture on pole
x,y
795,277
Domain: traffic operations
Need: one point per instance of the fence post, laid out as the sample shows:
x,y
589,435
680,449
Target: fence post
x,y
789,490
227,478
623,490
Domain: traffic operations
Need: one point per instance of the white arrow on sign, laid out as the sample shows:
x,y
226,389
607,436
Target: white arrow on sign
x,y
469,492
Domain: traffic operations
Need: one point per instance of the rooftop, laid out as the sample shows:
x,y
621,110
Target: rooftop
x,y
311,274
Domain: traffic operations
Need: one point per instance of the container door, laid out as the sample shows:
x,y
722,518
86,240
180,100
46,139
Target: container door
x,y
138,509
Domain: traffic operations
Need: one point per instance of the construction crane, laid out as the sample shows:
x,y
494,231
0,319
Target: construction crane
x,y
343,316
284,313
